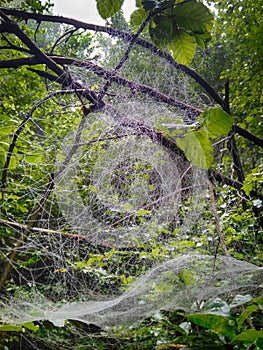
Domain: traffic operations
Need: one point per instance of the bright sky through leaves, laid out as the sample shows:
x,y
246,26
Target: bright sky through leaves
x,y
85,10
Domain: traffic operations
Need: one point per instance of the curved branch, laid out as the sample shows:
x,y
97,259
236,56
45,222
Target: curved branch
x,y
101,72
18,132
248,135
123,35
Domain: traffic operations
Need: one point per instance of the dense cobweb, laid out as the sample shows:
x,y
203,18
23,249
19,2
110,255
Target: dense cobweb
x,y
103,248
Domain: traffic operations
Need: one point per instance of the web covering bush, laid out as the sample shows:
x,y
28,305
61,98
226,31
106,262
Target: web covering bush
x,y
103,210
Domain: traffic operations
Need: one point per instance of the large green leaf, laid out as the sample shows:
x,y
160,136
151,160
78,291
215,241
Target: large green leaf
x,y
177,42
108,8
137,18
216,323
216,122
182,47
193,16
197,148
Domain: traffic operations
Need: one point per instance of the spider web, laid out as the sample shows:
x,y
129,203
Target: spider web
x,y
104,246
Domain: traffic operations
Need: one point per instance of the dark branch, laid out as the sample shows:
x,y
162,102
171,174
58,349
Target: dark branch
x,y
248,135
123,35
135,87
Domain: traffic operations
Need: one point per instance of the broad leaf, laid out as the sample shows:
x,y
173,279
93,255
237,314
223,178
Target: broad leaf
x,y
108,8
177,42
31,326
216,323
216,122
240,300
10,328
216,306
193,16
197,148
18,328
182,48
137,18
202,40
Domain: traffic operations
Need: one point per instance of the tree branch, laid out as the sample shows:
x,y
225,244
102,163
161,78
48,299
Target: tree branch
x,y
101,72
125,36
248,135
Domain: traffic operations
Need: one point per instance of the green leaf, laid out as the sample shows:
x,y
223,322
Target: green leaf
x,y
250,335
240,300
182,48
34,159
202,40
197,148
187,277
10,328
31,326
18,328
180,27
137,18
216,122
216,323
216,306
177,42
138,3
194,17
246,313
107,8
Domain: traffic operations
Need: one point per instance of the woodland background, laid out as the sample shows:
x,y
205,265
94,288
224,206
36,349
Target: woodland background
x,y
222,55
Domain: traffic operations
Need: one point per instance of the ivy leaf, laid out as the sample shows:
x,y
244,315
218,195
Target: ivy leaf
x,y
107,8
197,148
216,122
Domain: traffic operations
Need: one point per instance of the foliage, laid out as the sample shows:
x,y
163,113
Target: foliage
x,y
176,26
32,132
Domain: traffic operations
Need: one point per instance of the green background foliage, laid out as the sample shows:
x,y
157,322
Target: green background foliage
x,y
233,51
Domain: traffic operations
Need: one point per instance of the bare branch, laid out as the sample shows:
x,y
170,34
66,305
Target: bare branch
x,y
125,36
248,135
